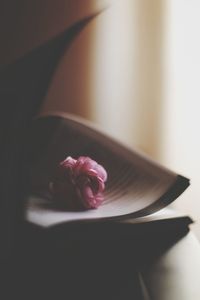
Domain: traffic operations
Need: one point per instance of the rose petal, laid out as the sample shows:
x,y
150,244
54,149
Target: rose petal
x,y
90,200
85,176
87,165
68,162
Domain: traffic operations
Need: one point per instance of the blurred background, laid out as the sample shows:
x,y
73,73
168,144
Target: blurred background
x,y
133,69
136,72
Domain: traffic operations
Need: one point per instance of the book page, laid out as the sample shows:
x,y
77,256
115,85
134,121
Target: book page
x,y
136,185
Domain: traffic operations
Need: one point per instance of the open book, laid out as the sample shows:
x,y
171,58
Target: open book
x,y
136,189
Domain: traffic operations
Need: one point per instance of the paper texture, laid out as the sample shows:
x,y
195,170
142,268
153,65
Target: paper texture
x,y
136,185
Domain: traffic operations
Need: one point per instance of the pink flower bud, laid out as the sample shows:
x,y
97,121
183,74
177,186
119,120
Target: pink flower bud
x,y
80,183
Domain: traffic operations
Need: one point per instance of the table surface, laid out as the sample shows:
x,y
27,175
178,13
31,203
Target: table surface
x,y
175,274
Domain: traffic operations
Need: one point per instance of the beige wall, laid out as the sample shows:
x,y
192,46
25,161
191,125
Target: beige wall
x,y
112,73
181,147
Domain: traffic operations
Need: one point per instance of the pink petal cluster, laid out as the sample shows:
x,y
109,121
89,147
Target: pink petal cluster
x,y
82,181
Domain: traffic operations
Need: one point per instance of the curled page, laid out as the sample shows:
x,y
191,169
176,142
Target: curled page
x,y
136,186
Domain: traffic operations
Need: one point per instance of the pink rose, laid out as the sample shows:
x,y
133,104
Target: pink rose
x,y
80,182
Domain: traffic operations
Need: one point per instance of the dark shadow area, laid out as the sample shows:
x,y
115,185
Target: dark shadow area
x,y
23,86
56,267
